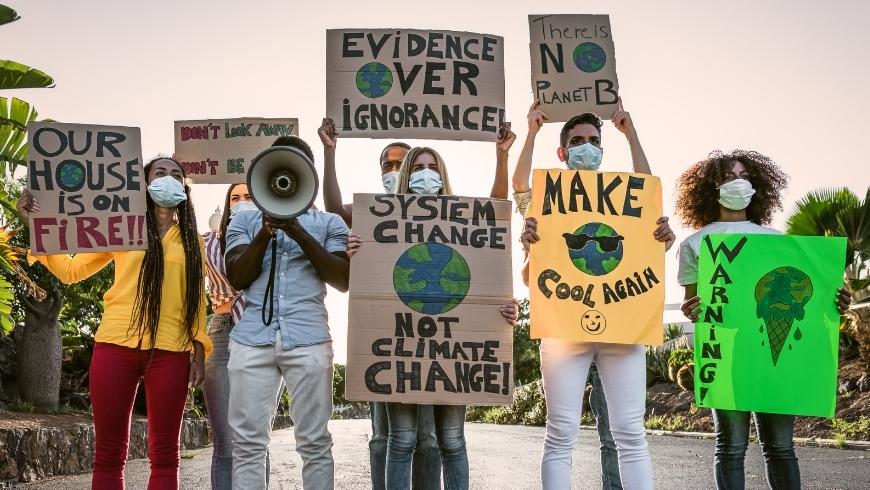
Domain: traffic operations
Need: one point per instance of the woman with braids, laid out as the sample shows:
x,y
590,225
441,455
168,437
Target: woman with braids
x,y
737,192
153,327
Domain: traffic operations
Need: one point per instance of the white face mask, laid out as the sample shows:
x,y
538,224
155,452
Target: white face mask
x,y
242,206
425,181
736,195
390,179
584,157
167,191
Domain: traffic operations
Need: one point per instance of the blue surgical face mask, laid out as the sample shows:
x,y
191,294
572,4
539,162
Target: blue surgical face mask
x,y
426,181
390,179
241,207
584,157
167,191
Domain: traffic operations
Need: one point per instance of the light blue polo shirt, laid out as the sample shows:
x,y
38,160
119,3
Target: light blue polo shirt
x,y
299,292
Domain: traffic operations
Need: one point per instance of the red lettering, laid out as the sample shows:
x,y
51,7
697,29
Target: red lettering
x,y
39,229
114,228
193,168
86,230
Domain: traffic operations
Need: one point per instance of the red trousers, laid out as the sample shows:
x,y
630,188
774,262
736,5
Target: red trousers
x,y
114,377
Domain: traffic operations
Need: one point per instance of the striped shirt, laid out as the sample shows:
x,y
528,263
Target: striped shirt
x,y
220,291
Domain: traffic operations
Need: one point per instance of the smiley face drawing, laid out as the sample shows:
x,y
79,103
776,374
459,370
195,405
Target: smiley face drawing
x,y
593,322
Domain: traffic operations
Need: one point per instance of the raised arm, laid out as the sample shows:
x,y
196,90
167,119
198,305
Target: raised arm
x,y
536,119
331,191
527,238
506,138
622,120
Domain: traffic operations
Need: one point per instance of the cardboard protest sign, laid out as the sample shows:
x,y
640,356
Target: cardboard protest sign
x,y
573,65
426,288
597,272
90,184
767,337
218,151
402,83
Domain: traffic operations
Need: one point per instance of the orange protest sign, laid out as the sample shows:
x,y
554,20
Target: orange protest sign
x,y
597,273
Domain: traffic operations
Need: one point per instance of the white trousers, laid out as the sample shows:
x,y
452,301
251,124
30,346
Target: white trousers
x,y
565,367
255,378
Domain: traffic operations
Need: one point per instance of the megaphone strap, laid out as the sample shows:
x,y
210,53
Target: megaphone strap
x,y
269,294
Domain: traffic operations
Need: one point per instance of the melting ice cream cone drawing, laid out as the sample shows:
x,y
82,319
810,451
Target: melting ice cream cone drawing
x,y
781,296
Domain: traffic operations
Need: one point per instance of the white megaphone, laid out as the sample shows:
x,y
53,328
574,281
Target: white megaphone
x,y
282,182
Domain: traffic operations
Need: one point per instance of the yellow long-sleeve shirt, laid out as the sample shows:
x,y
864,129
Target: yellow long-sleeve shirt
x,y
119,300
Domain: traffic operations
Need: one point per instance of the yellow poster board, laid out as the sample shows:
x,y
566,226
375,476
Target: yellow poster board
x,y
597,274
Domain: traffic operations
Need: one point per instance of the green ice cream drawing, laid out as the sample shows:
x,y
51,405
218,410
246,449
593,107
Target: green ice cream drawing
x,y
782,296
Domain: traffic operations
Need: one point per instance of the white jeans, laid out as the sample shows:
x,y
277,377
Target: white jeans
x,y
622,368
255,378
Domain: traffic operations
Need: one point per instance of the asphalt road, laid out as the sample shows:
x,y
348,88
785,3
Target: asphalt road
x,y
507,457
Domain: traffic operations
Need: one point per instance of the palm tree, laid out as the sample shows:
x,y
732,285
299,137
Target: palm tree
x,y
839,212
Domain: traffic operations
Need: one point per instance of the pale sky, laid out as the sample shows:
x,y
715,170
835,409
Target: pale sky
x,y
786,78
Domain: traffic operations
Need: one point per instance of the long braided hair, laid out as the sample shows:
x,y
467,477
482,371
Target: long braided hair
x,y
146,311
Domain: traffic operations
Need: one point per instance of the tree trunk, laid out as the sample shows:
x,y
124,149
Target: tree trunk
x,y
861,316
40,353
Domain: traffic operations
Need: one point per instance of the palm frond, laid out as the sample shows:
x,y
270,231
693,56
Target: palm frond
x,y
14,75
14,116
7,15
816,213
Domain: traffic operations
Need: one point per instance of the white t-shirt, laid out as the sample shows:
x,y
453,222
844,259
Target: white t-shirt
x,y
690,247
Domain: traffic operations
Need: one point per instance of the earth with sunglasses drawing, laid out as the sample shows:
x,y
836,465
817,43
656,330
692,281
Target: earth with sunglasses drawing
x,y
594,248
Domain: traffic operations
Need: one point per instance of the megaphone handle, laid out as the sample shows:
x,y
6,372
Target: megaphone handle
x,y
269,294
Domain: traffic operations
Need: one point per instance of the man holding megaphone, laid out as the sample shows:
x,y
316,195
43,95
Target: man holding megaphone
x,y
282,256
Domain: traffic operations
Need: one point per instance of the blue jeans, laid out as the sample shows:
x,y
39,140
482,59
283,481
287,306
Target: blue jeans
x,y
426,474
216,389
609,457
775,434
450,430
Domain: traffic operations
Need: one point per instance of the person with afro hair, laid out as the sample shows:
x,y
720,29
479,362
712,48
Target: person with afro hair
x,y
737,192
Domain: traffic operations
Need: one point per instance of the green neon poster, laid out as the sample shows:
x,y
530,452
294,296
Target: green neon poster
x,y
767,337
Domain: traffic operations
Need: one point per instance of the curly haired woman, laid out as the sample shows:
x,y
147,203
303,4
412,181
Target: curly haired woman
x,y
737,192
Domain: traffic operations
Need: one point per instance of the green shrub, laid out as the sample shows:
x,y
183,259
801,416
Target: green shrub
x,y
656,365
672,331
677,359
680,357
527,353
851,430
529,408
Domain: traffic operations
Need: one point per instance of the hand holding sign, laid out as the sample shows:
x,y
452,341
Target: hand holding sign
x,y
622,119
509,312
328,134
691,308
536,117
530,234
844,300
664,233
354,242
26,204
506,138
